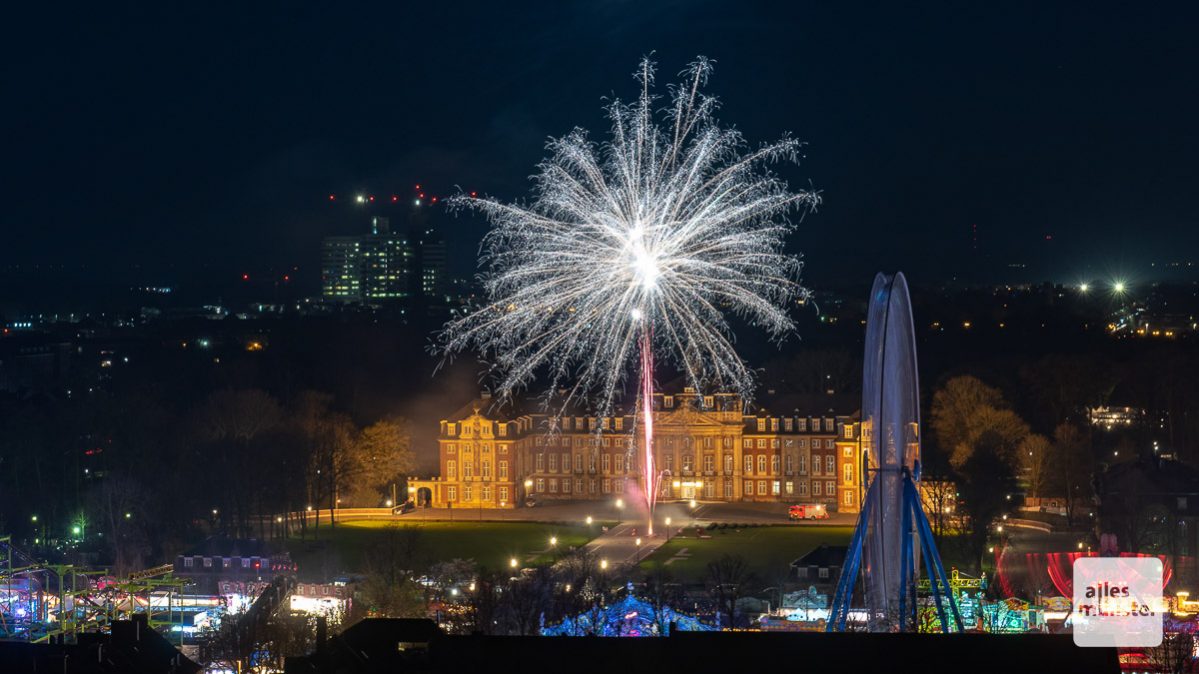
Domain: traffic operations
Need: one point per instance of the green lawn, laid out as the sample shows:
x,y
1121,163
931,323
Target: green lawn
x,y
347,548
769,550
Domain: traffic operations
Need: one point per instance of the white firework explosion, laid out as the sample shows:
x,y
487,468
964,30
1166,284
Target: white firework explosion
x,y
634,247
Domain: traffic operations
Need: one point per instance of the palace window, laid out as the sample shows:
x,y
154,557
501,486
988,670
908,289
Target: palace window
x,y
709,463
487,489
708,442
486,447
747,443
848,431
451,469
774,488
749,464
607,485
803,464
503,494
803,488
451,494
728,442
790,487
503,470
848,500
607,463
848,473
748,488
565,462
450,448
774,464
579,485
553,485
761,464
578,464
788,424
761,443
761,425
468,470
687,459
761,487
815,465
830,444
451,430
848,451
803,425
540,485
728,488
486,469
828,425
620,423
728,463
830,488
816,488
565,485
619,484
830,465
803,443
790,463
553,463
592,486
466,492
540,462
774,425
503,434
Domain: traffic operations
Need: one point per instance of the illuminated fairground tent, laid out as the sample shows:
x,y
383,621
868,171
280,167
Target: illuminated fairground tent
x,y
629,617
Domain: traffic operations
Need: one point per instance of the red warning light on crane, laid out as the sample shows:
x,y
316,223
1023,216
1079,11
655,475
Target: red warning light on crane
x,y
332,197
245,277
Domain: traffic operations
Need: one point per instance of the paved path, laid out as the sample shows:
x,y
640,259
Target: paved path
x,y
627,543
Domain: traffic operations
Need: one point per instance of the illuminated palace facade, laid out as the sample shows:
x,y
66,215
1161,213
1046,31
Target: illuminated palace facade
x,y
707,447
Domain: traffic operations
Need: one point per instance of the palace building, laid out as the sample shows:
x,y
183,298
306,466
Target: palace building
x,y
707,447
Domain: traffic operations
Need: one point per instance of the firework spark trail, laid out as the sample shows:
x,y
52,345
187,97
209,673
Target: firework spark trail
x,y
639,244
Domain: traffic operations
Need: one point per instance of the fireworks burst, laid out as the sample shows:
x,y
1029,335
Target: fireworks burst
x,y
634,247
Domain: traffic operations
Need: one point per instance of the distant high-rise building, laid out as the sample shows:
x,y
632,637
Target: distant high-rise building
x,y
432,266
341,269
370,268
382,266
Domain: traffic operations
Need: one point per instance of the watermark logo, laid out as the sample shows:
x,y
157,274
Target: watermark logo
x,y
1118,601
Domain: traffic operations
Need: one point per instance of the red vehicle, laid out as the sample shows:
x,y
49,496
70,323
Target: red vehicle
x,y
809,511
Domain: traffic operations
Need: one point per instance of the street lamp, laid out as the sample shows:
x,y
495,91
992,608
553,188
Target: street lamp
x,y
668,528
619,503
513,563
604,564
553,541
589,520
692,504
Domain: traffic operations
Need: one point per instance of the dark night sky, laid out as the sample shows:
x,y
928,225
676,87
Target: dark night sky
x,y
179,135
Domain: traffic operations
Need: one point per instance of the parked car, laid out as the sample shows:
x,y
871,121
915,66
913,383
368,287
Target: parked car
x,y
405,507
808,511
